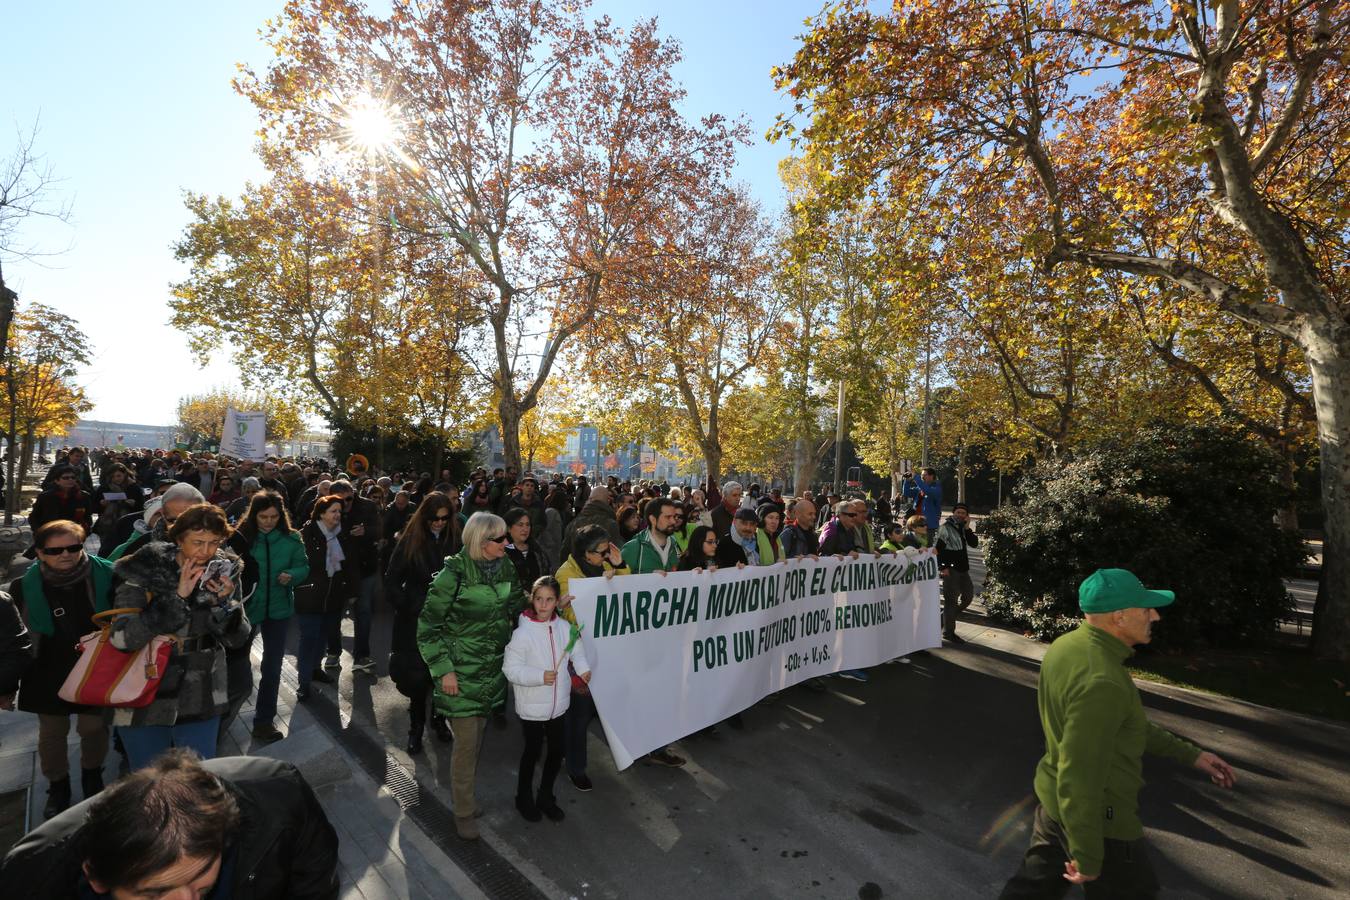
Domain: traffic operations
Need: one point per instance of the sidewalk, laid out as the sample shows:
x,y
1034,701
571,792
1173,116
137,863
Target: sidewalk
x,y
382,853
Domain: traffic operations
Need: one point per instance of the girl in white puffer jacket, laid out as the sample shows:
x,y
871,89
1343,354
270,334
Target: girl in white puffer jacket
x,y
536,665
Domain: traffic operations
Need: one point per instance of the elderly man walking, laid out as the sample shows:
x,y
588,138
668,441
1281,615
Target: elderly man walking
x,y
1087,828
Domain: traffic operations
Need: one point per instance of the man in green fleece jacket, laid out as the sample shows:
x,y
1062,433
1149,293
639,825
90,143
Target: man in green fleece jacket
x,y
1087,828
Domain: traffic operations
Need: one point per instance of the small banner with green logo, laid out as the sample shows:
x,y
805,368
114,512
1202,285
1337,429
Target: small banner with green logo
x,y
244,435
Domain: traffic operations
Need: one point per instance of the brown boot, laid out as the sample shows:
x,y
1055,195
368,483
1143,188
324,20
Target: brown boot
x,y
466,828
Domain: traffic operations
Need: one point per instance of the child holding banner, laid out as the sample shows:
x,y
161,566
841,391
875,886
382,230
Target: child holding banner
x,y
537,655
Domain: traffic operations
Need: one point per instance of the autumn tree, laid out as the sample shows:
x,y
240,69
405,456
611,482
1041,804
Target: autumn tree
x,y
544,428
360,319
544,145
202,416
1211,133
41,391
696,318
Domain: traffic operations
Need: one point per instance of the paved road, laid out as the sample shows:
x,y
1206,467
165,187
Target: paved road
x,y
917,783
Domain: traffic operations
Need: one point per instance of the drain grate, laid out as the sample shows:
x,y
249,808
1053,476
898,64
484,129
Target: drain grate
x,y
485,867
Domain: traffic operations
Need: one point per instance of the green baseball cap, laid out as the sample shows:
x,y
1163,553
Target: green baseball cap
x,y
1107,590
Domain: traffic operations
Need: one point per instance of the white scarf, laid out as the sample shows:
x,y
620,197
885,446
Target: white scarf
x,y
335,556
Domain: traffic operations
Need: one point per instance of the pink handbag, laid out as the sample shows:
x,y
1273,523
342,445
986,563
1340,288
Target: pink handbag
x,y
106,676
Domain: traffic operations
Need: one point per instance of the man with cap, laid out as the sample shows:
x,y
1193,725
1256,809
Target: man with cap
x,y
740,545
1087,828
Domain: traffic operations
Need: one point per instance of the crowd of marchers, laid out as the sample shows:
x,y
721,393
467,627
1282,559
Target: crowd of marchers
x,y
463,568
222,554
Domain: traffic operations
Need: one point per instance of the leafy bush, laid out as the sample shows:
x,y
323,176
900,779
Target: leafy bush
x,y
1190,509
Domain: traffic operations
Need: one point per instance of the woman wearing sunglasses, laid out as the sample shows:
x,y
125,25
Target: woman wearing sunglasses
x,y
431,534
462,634
58,596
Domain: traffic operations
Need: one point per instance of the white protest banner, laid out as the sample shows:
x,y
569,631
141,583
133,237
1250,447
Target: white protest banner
x,y
244,435
672,654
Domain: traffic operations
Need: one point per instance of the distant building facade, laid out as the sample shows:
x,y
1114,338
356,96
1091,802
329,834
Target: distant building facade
x,y
94,433
586,452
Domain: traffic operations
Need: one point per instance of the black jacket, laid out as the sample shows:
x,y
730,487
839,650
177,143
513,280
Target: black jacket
x,y
51,505
951,543
730,552
16,647
365,548
321,593
799,541
285,847
405,586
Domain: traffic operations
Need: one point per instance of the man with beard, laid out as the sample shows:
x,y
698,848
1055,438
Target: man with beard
x,y
653,550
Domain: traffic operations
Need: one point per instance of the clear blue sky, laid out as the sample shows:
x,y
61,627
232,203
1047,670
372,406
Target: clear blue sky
x,y
135,107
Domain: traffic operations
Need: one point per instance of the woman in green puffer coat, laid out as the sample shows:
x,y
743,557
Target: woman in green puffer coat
x,y
462,633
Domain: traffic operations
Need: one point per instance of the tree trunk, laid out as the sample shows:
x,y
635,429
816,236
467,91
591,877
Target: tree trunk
x,y
12,490
508,415
961,473
1328,358
712,453
25,455
807,454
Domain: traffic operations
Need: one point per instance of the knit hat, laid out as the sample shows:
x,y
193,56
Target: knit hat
x,y
1107,590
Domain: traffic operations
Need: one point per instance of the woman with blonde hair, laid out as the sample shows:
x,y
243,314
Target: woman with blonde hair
x,y
462,633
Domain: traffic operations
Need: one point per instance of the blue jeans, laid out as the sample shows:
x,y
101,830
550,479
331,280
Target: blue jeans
x,y
309,653
274,649
361,613
145,742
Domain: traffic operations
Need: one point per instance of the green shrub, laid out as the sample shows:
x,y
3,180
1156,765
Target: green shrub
x,y
1190,509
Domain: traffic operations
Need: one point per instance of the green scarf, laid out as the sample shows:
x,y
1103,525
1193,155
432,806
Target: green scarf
x,y
35,597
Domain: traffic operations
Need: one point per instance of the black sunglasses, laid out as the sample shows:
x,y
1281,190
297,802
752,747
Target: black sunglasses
x,y
57,551
440,518
498,540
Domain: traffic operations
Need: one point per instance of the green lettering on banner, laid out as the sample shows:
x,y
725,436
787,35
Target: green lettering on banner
x,y
606,615
818,582
710,652
743,645
717,598
642,618
659,617
864,615
626,627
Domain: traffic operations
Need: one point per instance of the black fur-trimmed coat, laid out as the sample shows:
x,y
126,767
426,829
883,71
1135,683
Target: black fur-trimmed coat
x,y
194,685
